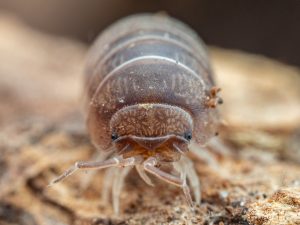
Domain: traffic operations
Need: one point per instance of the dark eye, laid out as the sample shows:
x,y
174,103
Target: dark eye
x,y
188,135
114,136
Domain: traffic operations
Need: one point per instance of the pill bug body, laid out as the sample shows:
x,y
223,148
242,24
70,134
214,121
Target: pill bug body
x,y
148,59
149,92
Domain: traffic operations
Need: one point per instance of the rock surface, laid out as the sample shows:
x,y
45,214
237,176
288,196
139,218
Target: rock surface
x,y
256,179
283,207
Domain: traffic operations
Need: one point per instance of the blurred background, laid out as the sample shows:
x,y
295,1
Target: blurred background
x,y
270,28
43,46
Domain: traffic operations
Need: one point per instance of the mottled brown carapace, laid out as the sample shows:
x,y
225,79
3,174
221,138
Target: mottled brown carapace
x,y
153,129
149,91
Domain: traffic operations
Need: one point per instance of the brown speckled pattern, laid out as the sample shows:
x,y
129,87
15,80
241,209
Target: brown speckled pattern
x,y
151,120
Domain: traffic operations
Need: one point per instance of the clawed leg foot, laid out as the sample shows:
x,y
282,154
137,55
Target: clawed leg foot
x,y
150,166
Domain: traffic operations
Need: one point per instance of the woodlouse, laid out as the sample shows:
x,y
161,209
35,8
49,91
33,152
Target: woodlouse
x,y
150,91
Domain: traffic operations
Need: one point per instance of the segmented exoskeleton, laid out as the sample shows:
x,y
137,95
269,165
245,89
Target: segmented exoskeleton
x,y
149,91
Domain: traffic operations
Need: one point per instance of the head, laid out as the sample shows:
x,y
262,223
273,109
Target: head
x,y
159,130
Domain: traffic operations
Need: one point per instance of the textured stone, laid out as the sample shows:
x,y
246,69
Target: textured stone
x,y
283,208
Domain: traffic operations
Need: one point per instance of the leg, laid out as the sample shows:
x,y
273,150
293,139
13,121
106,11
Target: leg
x,y
218,146
97,156
109,175
202,153
118,183
149,166
113,162
185,164
143,175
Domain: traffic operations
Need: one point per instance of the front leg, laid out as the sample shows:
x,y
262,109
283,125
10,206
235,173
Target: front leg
x,y
113,162
118,183
150,166
186,165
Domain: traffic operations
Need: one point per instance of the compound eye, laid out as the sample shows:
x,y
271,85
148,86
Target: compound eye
x,y
188,135
114,136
